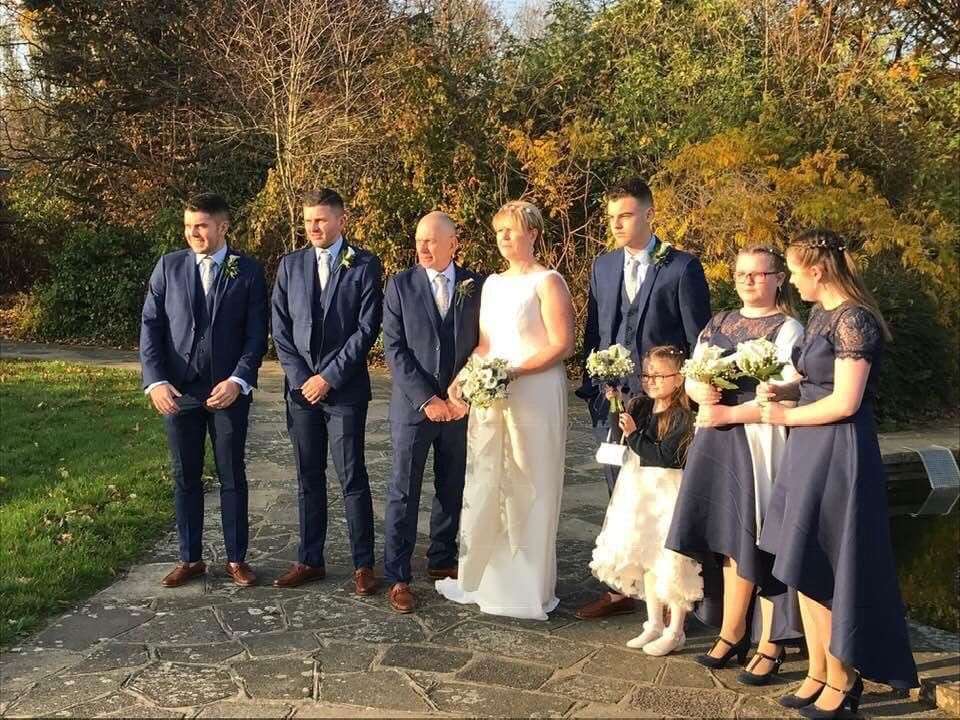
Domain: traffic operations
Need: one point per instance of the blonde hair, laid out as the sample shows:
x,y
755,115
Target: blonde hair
x,y
524,213
830,252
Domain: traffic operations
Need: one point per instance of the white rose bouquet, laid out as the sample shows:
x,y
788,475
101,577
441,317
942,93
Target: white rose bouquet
x,y
709,366
484,381
758,359
610,367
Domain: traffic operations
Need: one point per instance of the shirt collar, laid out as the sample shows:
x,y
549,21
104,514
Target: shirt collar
x,y
334,249
218,257
642,256
449,272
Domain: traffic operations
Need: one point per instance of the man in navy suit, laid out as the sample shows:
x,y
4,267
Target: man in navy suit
x,y
431,324
203,334
327,308
642,294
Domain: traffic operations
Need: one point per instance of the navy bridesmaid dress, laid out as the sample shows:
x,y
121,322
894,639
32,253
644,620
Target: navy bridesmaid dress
x,y
715,514
827,522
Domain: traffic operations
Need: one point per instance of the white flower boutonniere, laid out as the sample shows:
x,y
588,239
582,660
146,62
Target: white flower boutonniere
x,y
347,257
464,289
661,254
231,268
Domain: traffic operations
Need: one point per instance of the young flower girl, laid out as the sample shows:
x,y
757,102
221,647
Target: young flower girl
x,y
630,556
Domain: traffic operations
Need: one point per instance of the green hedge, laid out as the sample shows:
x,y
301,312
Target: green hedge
x,y
95,288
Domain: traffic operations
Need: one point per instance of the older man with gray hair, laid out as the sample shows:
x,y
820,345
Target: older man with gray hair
x,y
431,318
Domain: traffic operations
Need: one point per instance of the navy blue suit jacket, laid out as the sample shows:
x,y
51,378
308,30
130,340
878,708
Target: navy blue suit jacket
x,y
238,326
353,311
411,337
674,306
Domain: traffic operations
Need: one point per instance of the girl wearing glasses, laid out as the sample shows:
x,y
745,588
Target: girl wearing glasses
x,y
728,476
630,555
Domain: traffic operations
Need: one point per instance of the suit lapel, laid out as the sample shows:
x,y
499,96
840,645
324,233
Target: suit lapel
x,y
336,270
646,287
189,275
615,287
310,278
421,286
220,286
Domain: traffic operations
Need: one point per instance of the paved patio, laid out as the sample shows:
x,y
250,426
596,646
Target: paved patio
x,y
210,649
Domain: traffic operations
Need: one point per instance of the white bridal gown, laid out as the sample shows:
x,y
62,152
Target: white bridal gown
x,y
515,465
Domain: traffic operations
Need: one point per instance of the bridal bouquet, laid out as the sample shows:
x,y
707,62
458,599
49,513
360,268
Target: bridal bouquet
x,y
758,359
709,366
610,367
484,380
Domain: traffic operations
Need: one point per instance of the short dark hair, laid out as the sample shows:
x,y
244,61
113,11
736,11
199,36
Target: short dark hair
x,y
323,196
635,188
209,203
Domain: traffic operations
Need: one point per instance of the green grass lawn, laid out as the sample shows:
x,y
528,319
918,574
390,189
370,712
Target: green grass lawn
x,y
84,485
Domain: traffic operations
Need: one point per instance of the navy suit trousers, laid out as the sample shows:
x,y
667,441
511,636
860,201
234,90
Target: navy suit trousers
x,y
187,435
314,431
411,444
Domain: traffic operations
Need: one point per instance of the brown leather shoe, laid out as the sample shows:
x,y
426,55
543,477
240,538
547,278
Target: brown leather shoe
x,y
401,598
605,606
299,574
443,573
182,573
364,581
242,574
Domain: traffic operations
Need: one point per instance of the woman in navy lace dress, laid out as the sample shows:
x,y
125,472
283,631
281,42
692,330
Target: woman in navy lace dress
x,y
827,520
724,491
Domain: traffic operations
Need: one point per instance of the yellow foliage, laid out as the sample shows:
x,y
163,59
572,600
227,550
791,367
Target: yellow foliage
x,y
732,190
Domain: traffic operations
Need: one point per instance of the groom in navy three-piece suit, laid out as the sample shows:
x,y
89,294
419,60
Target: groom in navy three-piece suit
x,y
431,323
642,294
327,308
203,335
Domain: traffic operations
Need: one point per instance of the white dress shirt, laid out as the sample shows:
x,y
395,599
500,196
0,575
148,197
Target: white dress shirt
x,y
642,258
334,251
450,274
218,259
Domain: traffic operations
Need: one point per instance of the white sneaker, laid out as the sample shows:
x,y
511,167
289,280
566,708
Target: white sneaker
x,y
650,633
667,643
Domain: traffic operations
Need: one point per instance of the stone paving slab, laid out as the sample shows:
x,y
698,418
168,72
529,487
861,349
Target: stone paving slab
x,y
211,649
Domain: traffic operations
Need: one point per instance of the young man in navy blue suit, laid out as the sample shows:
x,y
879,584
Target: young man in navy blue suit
x,y
642,294
327,308
203,334
431,324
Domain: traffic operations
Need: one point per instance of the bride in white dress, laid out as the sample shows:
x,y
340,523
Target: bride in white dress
x,y
515,450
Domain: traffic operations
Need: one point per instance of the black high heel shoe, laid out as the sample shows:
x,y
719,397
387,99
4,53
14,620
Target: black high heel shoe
x,y
796,702
756,680
851,697
740,649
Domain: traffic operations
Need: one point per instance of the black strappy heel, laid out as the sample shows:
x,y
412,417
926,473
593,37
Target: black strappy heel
x,y
851,697
796,702
740,649
755,679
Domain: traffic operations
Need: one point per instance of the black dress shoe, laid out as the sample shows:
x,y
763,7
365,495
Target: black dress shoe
x,y
756,680
740,649
796,702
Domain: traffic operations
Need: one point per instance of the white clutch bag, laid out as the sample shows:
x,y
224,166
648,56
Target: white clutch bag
x,y
611,454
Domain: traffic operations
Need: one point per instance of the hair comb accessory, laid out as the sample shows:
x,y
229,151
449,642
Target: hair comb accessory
x,y
823,241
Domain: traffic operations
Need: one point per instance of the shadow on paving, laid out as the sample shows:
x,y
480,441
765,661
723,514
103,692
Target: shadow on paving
x,y
210,649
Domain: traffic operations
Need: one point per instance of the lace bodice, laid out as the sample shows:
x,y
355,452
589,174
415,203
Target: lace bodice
x,y
847,331
728,328
510,315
